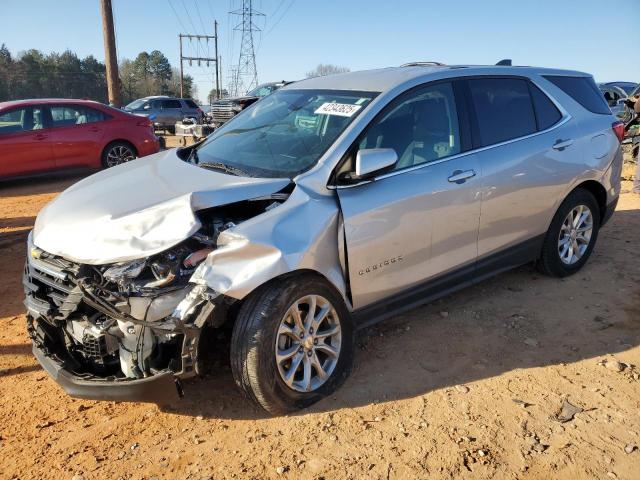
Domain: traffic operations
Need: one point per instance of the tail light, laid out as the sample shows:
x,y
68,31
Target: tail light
x,y
618,129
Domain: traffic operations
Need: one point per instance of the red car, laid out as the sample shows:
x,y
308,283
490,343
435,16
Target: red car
x,y
51,134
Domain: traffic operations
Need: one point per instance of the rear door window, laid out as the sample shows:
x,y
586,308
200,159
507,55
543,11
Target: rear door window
x,y
583,90
547,114
67,115
503,108
21,120
191,104
171,104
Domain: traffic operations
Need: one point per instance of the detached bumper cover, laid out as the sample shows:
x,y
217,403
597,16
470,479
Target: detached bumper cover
x,y
161,388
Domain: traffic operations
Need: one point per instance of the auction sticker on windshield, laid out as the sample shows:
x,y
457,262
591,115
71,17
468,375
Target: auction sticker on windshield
x,y
340,109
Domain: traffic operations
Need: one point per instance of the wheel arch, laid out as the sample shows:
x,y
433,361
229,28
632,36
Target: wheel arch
x,y
598,191
282,241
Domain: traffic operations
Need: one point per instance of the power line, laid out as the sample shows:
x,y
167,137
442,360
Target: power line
x,y
176,15
279,19
273,14
189,17
204,30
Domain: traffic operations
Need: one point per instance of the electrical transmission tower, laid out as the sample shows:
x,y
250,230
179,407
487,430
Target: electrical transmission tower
x,y
246,75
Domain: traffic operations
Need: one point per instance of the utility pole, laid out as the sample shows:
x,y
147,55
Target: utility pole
x,y
197,59
215,33
247,59
220,73
181,69
110,55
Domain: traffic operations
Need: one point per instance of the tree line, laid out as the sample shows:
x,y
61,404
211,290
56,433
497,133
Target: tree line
x,y
33,74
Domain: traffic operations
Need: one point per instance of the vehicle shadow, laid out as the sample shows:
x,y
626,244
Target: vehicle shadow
x,y
13,247
16,222
517,320
18,370
53,182
16,349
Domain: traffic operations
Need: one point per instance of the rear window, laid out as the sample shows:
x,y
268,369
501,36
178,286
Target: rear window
x,y
503,109
583,90
547,114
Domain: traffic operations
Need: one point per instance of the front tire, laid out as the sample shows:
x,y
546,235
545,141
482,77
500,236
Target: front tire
x,y
571,236
285,358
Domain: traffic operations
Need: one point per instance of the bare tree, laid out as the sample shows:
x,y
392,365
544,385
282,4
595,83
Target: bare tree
x,y
326,69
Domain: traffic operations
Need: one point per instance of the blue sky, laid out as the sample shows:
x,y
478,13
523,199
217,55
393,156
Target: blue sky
x,y
590,35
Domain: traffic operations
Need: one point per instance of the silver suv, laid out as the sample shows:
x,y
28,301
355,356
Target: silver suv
x,y
331,204
165,112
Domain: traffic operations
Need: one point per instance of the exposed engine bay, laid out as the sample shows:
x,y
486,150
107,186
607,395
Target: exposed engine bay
x,y
135,319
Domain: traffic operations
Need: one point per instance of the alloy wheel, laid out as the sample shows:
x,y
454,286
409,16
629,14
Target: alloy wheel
x,y
308,343
575,234
119,154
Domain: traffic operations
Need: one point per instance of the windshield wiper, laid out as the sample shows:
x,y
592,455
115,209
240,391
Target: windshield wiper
x,y
224,168
193,155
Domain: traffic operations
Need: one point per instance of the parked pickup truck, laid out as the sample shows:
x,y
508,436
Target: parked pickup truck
x,y
224,109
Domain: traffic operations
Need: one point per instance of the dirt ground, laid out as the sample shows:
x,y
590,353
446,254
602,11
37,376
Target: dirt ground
x,y
464,387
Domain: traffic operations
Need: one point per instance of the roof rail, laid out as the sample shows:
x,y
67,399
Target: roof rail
x,y
504,63
423,64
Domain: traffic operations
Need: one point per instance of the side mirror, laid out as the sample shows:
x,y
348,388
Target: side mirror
x,y
373,160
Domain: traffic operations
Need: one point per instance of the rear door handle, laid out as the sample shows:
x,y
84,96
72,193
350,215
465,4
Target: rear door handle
x,y
562,144
460,176
94,129
41,136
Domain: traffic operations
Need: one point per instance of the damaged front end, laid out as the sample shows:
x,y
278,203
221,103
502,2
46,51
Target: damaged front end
x,y
129,330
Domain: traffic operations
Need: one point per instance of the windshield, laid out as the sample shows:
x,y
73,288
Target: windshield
x,y
261,91
628,87
283,134
135,105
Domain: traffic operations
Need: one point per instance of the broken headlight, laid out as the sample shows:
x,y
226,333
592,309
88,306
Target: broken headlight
x,y
125,271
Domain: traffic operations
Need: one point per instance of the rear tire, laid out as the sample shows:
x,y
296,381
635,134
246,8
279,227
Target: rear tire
x,y
270,355
571,236
117,153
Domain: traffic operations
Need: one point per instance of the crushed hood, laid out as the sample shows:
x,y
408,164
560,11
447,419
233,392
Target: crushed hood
x,y
138,209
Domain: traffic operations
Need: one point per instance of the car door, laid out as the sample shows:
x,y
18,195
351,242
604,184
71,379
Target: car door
x,y
76,134
190,109
171,111
525,149
25,142
419,220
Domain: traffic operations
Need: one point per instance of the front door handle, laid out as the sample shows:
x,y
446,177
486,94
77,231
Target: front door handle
x,y
460,176
41,136
94,129
562,144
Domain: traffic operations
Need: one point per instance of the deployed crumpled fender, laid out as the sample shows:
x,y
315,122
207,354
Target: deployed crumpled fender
x,y
300,234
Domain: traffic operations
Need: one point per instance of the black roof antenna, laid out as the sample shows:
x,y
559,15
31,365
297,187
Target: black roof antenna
x,y
504,63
